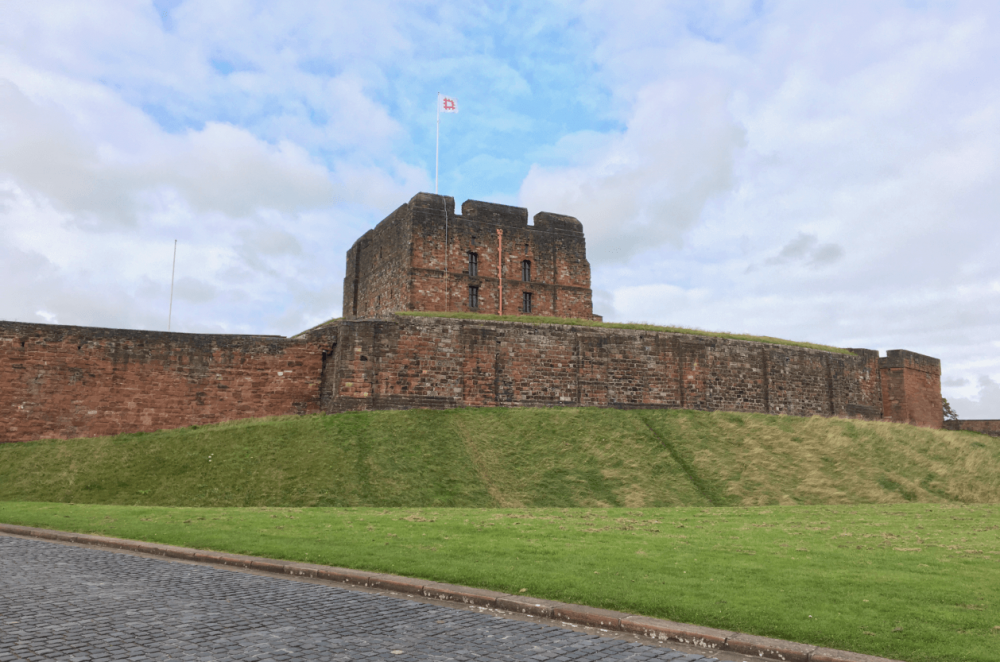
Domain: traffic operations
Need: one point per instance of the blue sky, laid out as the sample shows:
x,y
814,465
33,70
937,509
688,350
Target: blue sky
x,y
815,171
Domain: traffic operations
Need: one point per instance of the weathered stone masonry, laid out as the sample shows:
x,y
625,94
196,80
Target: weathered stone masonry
x,y
989,427
911,388
418,258
62,381
68,381
439,362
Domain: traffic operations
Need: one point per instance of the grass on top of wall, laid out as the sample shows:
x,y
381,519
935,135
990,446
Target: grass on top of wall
x,y
572,321
500,457
905,581
538,319
320,325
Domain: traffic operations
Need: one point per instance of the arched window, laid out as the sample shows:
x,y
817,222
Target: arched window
x,y
526,271
473,265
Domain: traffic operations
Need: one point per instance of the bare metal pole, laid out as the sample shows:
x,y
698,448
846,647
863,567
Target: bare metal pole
x,y
437,144
437,152
170,312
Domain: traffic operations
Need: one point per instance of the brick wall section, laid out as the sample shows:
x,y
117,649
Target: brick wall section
x,y
64,381
441,363
402,263
375,282
982,426
67,381
911,388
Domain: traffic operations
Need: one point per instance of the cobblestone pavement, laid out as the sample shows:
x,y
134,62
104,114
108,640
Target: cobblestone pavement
x,y
60,602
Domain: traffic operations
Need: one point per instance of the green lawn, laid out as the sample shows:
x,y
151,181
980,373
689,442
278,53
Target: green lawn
x,y
866,536
573,457
916,582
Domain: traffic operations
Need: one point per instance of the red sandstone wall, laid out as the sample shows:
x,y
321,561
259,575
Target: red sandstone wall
x,y
555,246
911,388
65,381
982,426
410,276
378,268
60,381
435,362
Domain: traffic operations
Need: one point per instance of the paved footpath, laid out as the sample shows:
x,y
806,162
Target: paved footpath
x,y
63,602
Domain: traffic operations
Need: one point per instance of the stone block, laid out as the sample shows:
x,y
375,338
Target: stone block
x,y
831,655
664,630
396,583
590,616
528,605
471,596
776,649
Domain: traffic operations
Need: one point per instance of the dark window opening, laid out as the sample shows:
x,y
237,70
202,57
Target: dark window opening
x,y
473,296
526,271
526,306
473,264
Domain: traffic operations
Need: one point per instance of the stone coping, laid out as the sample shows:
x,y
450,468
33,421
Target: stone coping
x,y
654,628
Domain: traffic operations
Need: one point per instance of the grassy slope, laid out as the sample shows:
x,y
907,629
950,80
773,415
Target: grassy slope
x,y
906,581
902,580
509,458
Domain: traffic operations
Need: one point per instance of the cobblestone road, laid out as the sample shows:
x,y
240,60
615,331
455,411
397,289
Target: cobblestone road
x,y
60,602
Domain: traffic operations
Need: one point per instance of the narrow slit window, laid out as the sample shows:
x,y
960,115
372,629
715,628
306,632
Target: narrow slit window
x,y
473,296
473,265
526,271
526,307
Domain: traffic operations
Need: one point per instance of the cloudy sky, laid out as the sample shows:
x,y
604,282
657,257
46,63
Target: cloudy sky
x,y
822,171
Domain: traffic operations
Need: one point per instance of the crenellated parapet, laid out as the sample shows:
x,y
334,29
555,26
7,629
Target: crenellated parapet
x,y
487,259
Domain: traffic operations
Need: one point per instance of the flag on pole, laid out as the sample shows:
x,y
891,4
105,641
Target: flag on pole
x,y
445,105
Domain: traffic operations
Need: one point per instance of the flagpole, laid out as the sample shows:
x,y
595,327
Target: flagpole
x,y
170,311
437,143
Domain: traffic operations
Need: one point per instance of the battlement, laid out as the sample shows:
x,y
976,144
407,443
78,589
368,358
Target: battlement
x,y
904,358
911,388
65,381
557,223
491,212
488,259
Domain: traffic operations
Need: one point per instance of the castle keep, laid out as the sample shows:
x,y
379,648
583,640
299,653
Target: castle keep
x,y
65,381
423,256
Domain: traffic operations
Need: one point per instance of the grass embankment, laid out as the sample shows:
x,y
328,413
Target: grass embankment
x,y
510,458
914,581
514,498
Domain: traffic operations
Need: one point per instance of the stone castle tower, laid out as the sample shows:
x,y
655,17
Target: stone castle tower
x,y
425,257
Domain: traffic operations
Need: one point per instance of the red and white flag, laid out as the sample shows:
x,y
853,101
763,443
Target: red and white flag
x,y
447,104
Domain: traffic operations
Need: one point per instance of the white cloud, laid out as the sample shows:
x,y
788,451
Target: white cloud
x,y
648,185
806,170
245,133
860,209
984,404
110,179
807,249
